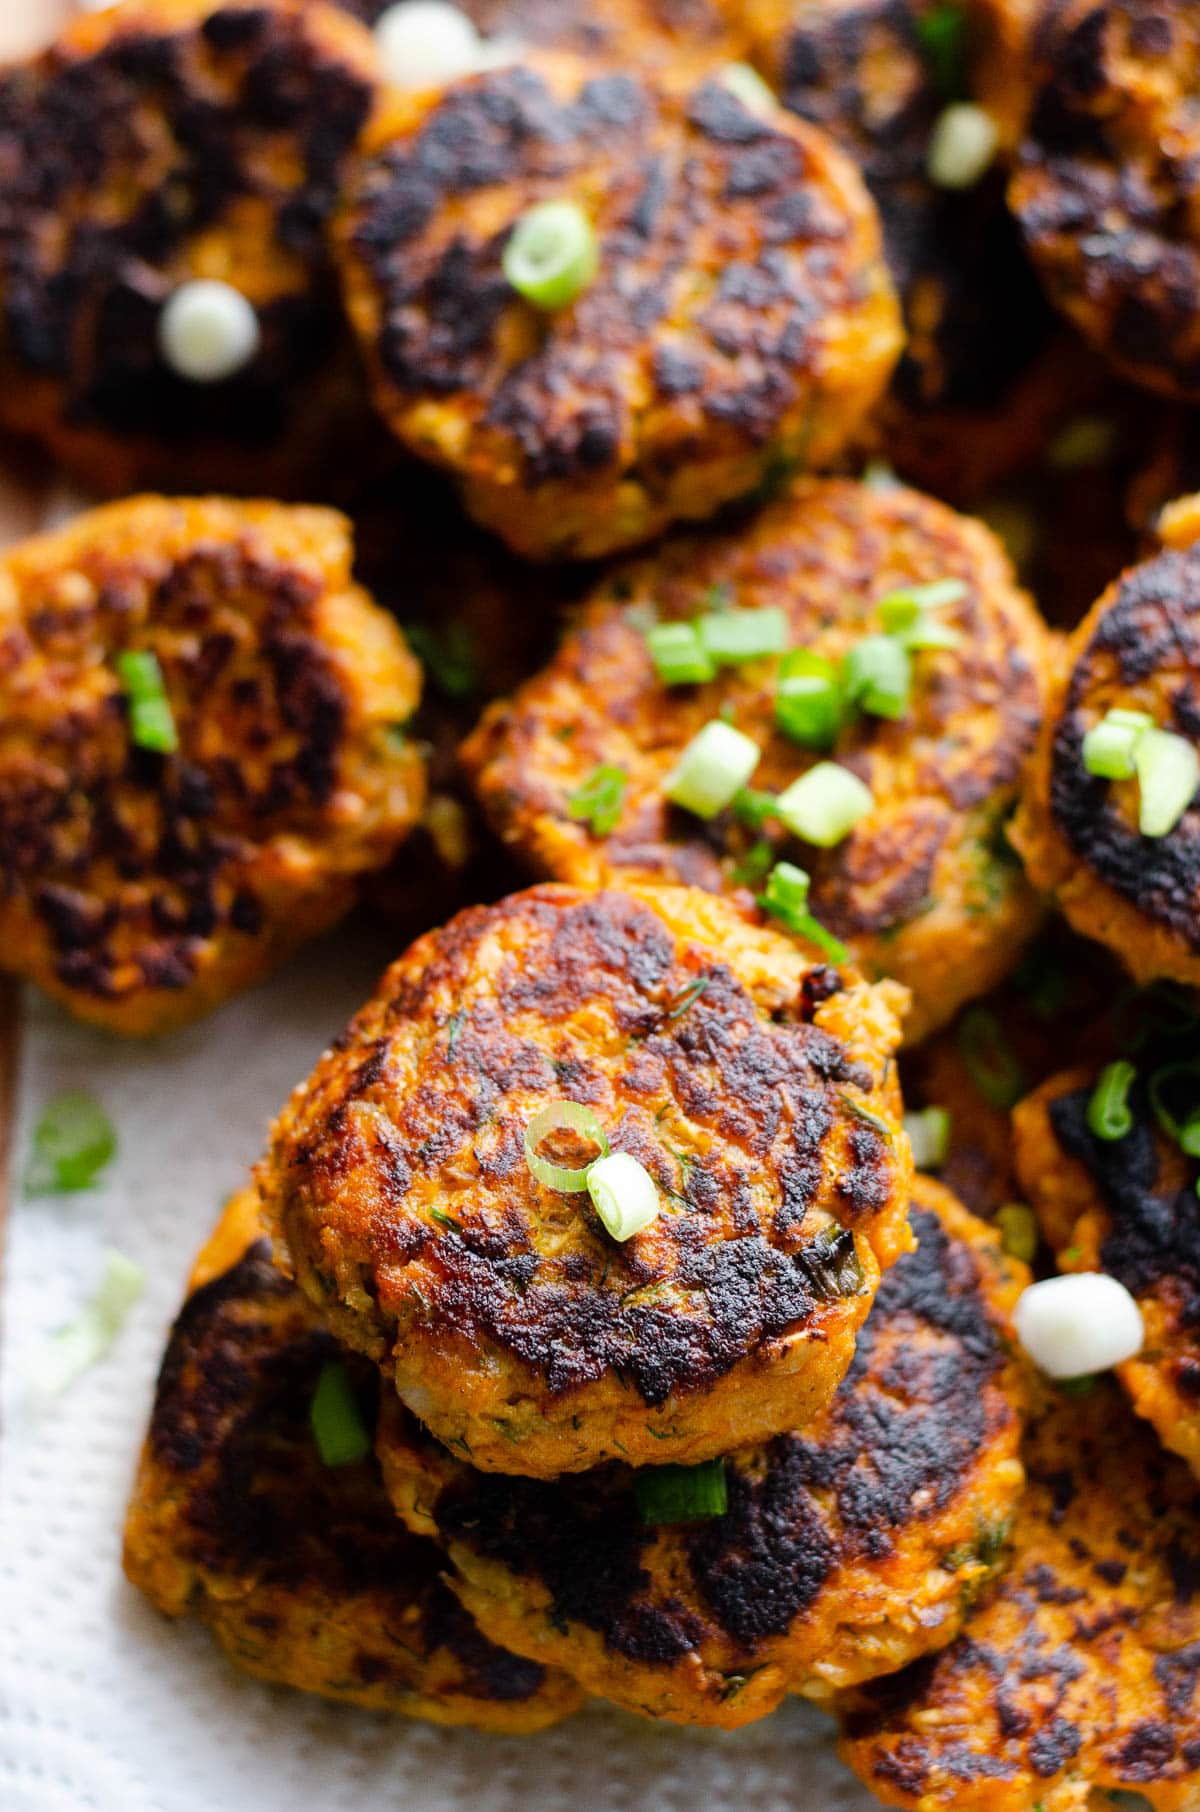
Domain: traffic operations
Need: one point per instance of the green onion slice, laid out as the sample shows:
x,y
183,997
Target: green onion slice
x,y
748,86
808,699
551,256
991,1062
1179,1120
72,1142
942,36
1018,1231
681,1494
335,1418
151,724
713,768
732,636
76,1347
1109,745
877,676
929,1135
1168,771
1108,1113
566,1178
786,899
600,799
680,657
824,805
623,1193
911,613
752,806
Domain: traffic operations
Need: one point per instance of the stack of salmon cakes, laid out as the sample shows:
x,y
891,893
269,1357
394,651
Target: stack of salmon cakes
x,y
748,1244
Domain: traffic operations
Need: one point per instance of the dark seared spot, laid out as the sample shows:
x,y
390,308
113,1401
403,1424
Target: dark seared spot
x,y
489,1673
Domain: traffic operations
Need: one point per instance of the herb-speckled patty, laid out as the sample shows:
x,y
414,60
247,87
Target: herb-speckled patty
x,y
924,888
1137,649
301,1570
1080,1669
846,1550
142,888
758,1090
741,314
160,141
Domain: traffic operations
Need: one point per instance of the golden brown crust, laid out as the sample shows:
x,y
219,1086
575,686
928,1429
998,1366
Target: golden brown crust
x,y
1105,186
757,1090
140,888
152,143
301,1570
1139,649
846,1550
923,889
1129,1207
741,316
1079,1670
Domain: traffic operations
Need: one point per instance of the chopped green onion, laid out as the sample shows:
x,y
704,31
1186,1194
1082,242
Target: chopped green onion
x,y
753,866
599,801
623,1193
78,1345
449,657
573,1115
929,1135
1168,771
808,699
680,657
335,1418
748,86
681,1494
824,805
1018,1231
877,676
961,146
72,1142
1086,441
1109,745
990,1060
713,768
752,806
832,1264
911,614
151,724
1108,1112
1182,1126
878,475
551,256
942,36
786,899
732,636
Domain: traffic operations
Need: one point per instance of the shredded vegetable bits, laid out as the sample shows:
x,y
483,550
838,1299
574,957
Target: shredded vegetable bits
x,y
72,1142
551,256
1128,744
336,1421
622,1191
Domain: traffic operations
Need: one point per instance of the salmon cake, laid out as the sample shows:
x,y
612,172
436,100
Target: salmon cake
x,y
203,747
1105,185
923,886
844,1550
1128,1205
411,1188
299,1566
1079,1670
1116,842
738,315
159,145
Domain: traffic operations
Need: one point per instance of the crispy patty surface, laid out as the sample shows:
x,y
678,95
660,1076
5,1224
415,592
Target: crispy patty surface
x,y
1105,187
1127,1206
141,888
301,1570
741,315
846,1550
924,888
1079,1669
153,143
1138,649
756,1089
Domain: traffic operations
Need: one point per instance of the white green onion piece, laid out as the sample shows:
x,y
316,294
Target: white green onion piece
x,y
715,765
567,1179
207,331
824,805
748,86
551,256
929,1135
733,636
1168,771
426,43
1076,1325
623,1193
74,1348
1109,745
961,147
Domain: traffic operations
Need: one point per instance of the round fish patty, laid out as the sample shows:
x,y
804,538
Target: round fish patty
x,y
846,1549
143,887
1079,1670
924,888
1129,1207
1137,649
301,1570
741,315
154,143
1105,187
757,1090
